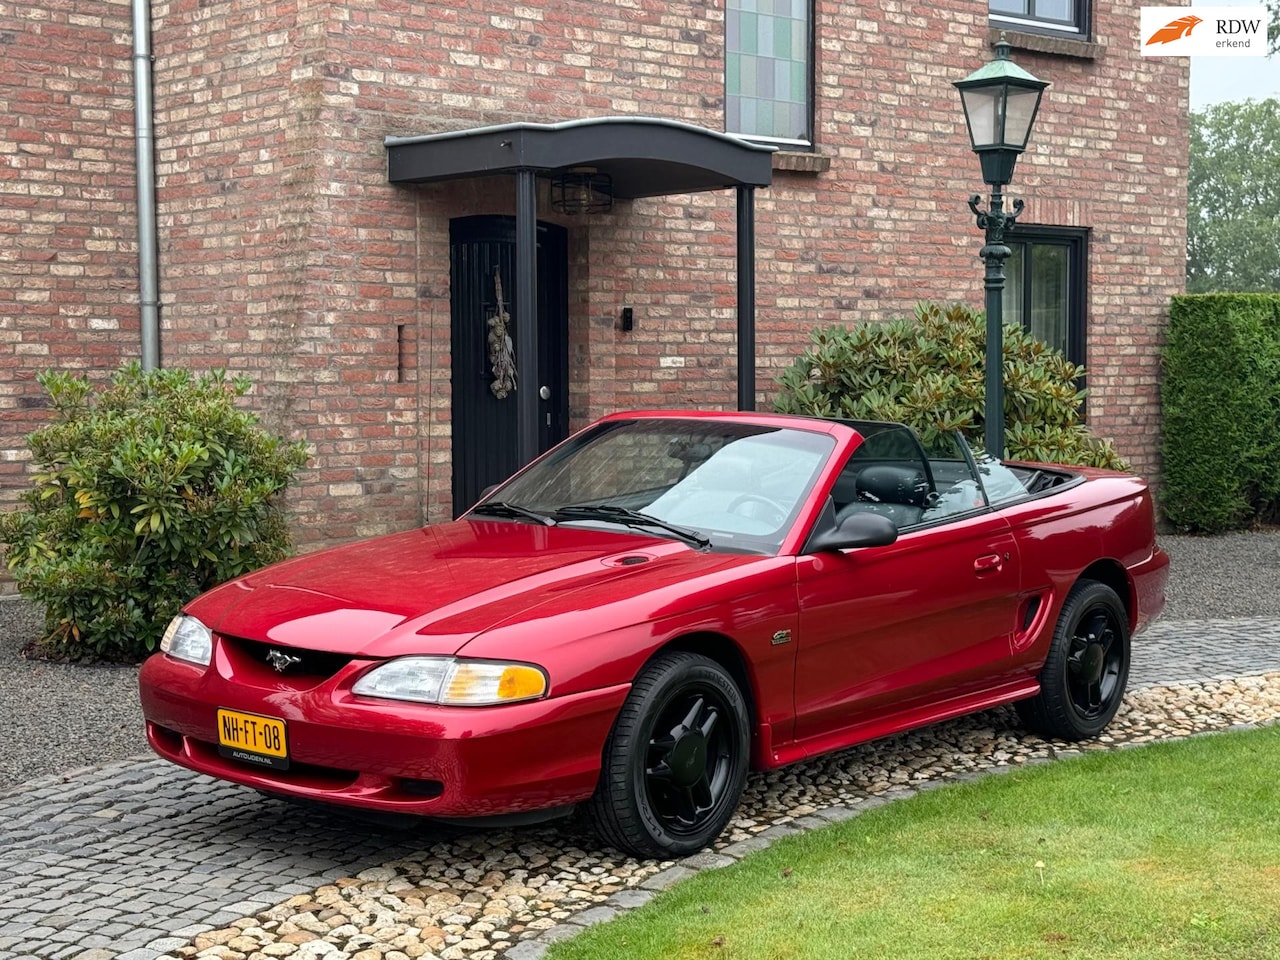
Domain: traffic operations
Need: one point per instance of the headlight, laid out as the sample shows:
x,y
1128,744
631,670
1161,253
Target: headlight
x,y
457,683
186,638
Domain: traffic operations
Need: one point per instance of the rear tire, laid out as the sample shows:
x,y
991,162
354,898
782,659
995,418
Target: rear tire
x,y
676,762
1084,676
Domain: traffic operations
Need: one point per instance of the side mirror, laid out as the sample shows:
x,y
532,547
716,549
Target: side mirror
x,y
856,530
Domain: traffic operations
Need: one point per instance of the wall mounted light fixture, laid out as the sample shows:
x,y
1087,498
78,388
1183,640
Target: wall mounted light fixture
x,y
580,190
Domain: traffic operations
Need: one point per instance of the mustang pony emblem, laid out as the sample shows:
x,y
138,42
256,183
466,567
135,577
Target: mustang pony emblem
x,y
282,661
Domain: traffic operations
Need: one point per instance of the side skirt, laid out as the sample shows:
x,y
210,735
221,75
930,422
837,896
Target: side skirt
x,y
772,755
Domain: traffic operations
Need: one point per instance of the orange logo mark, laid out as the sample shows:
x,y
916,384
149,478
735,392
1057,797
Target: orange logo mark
x,y
1175,30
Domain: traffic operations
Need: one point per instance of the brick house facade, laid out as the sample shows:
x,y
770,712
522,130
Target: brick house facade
x,y
287,255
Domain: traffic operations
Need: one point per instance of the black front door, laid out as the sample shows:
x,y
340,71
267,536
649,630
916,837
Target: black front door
x,y
482,253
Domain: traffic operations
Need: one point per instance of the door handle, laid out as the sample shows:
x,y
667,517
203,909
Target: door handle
x,y
544,393
991,563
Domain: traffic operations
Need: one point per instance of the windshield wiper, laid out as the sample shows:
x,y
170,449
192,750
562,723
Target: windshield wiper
x,y
632,518
501,508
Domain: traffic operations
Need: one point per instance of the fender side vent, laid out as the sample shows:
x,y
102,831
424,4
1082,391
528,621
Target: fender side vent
x,y
1029,613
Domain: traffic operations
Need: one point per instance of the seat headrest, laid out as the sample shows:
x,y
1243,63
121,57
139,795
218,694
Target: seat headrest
x,y
886,483
845,489
727,471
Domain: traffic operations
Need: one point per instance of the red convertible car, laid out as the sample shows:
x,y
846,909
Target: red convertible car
x,y
656,605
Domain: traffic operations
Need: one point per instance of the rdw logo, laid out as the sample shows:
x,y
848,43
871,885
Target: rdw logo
x,y
1175,30
1223,32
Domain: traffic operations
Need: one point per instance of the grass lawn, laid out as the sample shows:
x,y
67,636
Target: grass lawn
x,y
1168,851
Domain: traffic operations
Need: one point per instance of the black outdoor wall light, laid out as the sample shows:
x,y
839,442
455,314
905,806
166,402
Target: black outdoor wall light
x,y
581,190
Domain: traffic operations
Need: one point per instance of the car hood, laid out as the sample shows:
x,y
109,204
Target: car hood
x,y
430,591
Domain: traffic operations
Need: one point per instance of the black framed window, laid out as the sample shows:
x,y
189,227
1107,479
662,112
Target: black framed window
x,y
1046,286
1057,16
768,69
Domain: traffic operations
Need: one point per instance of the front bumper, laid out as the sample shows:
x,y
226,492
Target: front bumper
x,y
380,754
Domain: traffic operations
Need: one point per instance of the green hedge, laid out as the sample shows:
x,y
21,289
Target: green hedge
x,y
1221,393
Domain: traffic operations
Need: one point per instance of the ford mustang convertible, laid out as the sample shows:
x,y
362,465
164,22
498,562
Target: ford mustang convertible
x,y
658,604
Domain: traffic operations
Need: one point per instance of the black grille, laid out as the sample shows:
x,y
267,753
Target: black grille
x,y
311,663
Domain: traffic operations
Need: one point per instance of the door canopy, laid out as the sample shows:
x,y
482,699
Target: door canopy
x,y
644,156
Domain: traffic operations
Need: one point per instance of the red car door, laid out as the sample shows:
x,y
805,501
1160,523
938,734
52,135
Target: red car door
x,y
925,619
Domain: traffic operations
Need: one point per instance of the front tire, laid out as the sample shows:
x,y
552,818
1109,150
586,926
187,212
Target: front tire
x,y
1084,677
676,761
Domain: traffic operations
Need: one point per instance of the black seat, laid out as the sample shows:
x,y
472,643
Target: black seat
x,y
892,491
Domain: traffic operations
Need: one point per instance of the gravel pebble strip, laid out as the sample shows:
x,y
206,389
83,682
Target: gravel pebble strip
x,y
483,895
1226,575
60,716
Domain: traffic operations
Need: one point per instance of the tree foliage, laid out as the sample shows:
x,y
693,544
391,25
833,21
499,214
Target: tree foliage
x,y
147,493
929,373
1233,198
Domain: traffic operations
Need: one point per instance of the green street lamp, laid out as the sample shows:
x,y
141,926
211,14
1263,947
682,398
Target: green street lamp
x,y
1000,105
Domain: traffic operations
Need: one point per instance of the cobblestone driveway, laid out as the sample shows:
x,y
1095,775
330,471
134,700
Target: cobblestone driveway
x,y
140,859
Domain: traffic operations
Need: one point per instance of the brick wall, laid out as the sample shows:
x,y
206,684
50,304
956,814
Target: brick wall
x,y
68,260
277,262
286,254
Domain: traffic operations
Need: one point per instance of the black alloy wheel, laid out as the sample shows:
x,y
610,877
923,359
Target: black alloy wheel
x,y
1094,664
1083,679
676,761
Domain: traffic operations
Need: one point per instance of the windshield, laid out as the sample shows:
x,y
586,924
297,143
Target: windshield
x,y
738,485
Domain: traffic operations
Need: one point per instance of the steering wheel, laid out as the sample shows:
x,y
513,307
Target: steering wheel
x,y
754,500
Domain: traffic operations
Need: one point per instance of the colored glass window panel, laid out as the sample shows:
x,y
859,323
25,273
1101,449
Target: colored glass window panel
x,y
769,70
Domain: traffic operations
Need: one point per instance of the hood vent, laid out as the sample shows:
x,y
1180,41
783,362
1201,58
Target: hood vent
x,y
630,560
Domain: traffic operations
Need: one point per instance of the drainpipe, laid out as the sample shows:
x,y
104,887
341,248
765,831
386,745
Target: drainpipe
x,y
144,142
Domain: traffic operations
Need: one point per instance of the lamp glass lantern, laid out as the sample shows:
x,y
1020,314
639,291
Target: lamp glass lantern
x,y
1001,101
